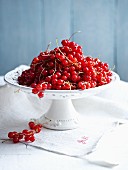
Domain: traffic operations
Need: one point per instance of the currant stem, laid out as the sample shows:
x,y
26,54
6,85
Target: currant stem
x,y
74,34
48,46
59,48
17,91
41,74
37,64
5,140
57,42
55,66
112,68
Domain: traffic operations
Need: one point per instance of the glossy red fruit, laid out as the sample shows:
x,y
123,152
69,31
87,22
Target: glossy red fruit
x,y
37,128
40,94
35,91
21,135
39,87
11,134
25,131
31,125
27,137
16,138
65,42
33,85
32,138
40,125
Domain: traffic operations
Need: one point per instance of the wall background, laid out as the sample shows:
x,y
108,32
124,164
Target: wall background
x,y
27,26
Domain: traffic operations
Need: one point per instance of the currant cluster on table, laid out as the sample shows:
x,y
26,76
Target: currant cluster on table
x,y
65,68
26,135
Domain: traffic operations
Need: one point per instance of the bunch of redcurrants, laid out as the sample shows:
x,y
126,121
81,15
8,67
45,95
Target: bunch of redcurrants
x,y
65,68
25,135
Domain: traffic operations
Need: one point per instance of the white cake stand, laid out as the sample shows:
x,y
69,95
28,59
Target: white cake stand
x,y
61,115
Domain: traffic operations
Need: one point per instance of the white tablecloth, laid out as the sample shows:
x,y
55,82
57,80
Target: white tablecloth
x,y
16,109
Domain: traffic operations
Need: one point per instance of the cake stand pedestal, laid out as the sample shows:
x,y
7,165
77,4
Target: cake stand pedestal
x,y
61,114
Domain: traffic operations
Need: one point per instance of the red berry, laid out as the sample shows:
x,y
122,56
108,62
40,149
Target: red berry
x,y
58,87
64,77
44,86
58,74
15,139
35,90
41,94
39,87
72,45
66,49
11,134
32,138
74,77
31,132
60,82
21,135
51,71
65,62
37,128
40,125
27,138
31,125
25,131
48,79
49,86
65,42
33,85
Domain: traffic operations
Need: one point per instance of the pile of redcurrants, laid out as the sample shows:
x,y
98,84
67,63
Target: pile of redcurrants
x,y
65,68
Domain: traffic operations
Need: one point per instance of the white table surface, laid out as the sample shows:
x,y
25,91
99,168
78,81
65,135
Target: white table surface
x,y
16,156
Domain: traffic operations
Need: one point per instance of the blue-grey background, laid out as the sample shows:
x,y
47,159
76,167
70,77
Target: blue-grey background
x,y
27,26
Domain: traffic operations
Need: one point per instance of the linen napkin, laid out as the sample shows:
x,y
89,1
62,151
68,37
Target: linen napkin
x,y
76,142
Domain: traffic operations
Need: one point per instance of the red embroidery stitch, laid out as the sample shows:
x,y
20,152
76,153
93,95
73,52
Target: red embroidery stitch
x,y
85,137
83,140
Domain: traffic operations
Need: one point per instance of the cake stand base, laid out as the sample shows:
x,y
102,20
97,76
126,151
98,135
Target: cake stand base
x,y
60,116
